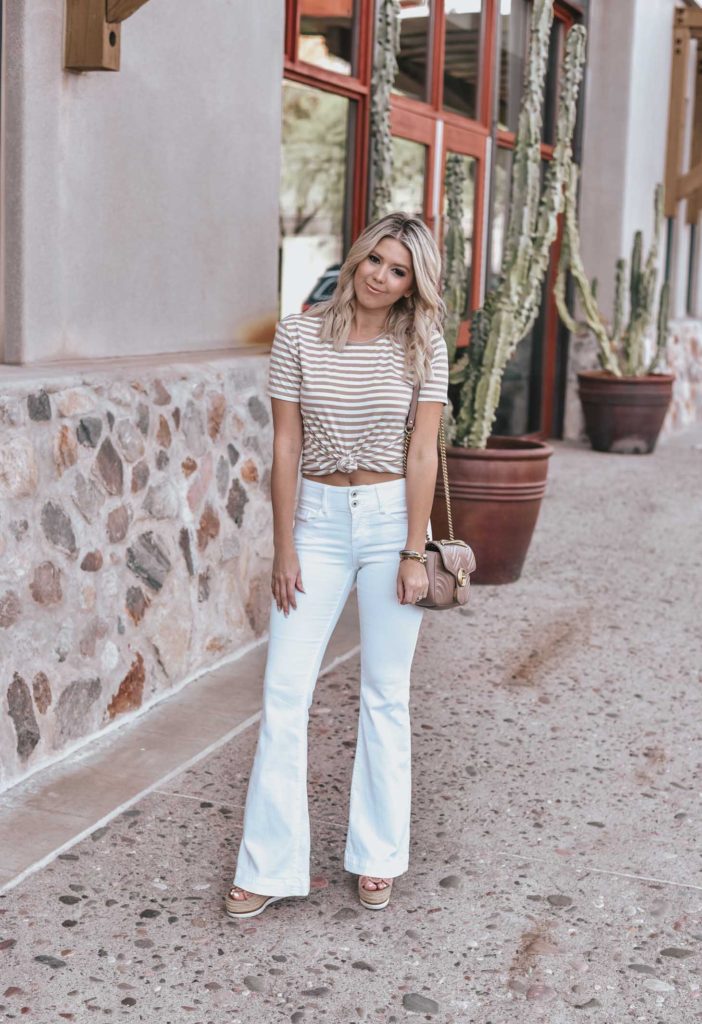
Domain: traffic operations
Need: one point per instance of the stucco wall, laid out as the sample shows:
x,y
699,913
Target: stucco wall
x,y
140,208
624,147
626,117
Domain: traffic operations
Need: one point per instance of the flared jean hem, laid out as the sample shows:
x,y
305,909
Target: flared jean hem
x,y
378,870
273,886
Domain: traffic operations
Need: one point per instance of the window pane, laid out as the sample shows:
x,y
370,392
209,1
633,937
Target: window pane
x,y
519,409
413,59
312,195
551,85
514,39
408,172
462,56
499,212
465,167
326,34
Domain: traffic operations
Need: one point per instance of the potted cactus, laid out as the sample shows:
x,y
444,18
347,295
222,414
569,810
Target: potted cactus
x,y
625,401
497,483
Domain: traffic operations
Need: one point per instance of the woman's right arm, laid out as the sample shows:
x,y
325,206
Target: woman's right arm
x,y
287,448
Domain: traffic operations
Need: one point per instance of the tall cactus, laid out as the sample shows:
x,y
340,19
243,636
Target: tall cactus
x,y
455,292
511,308
621,346
387,47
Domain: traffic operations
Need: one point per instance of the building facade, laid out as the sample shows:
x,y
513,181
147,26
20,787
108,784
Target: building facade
x,y
155,220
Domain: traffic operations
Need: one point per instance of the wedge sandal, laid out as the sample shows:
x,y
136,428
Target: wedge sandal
x,y
374,899
250,907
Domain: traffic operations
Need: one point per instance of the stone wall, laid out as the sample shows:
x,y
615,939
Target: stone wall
x,y
134,542
683,358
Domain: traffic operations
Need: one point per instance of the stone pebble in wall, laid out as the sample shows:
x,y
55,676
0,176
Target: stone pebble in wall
x,y
73,707
88,431
10,609
118,524
148,559
45,586
41,689
109,467
65,449
87,497
57,527
19,472
131,689
236,502
140,476
130,440
21,711
39,406
163,433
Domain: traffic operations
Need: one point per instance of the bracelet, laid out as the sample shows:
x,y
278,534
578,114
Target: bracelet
x,y
417,556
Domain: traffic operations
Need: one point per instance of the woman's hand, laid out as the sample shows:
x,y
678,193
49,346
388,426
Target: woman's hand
x,y
286,578
412,581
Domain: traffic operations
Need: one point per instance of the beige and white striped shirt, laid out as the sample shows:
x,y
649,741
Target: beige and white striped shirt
x,y
353,403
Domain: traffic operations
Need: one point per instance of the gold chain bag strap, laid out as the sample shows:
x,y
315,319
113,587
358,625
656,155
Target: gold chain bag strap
x,y
449,562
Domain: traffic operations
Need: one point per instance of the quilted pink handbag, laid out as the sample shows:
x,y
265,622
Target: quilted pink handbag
x,y
449,562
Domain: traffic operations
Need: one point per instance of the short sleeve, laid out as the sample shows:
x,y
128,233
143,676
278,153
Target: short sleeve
x,y
436,389
284,370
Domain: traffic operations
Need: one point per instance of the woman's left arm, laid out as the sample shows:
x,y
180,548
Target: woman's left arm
x,y
422,465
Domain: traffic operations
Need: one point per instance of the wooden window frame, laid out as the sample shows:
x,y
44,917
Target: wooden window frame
x,y
355,87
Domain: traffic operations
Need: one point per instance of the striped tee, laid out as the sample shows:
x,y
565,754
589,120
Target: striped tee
x,y
353,403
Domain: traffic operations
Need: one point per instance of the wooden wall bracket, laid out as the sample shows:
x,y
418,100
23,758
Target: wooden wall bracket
x,y
684,184
93,30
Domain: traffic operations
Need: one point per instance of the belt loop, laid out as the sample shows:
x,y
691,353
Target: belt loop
x,y
379,497
324,498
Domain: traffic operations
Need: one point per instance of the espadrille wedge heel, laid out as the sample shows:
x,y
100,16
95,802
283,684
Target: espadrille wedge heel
x,y
249,907
374,899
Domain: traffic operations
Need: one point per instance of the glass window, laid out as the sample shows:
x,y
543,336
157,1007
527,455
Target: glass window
x,y
412,78
460,171
500,210
327,34
552,83
408,174
315,156
519,409
462,56
514,40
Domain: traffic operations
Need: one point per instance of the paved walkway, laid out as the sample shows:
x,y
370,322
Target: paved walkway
x,y
555,867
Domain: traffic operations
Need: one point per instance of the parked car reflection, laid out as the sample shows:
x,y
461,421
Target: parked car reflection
x,y
324,287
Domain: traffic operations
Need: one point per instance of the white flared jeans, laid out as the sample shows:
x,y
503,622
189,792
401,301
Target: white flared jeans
x,y
342,535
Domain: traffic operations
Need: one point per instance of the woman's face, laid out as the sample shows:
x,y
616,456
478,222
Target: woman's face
x,y
384,276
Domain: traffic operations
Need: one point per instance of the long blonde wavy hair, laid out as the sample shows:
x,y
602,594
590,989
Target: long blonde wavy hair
x,y
411,320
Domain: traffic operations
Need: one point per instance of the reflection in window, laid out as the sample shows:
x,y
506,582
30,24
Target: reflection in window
x,y
463,169
514,41
519,409
408,172
500,212
462,56
413,59
326,34
551,85
312,191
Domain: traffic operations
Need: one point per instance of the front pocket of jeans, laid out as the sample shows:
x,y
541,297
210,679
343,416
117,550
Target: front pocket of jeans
x,y
305,513
395,513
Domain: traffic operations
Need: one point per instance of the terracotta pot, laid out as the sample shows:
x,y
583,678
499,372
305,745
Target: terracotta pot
x,y
495,499
624,414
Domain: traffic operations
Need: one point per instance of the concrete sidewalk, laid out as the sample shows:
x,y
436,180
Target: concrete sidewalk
x,y
556,845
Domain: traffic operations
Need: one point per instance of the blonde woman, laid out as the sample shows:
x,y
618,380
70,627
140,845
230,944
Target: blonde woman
x,y
340,383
